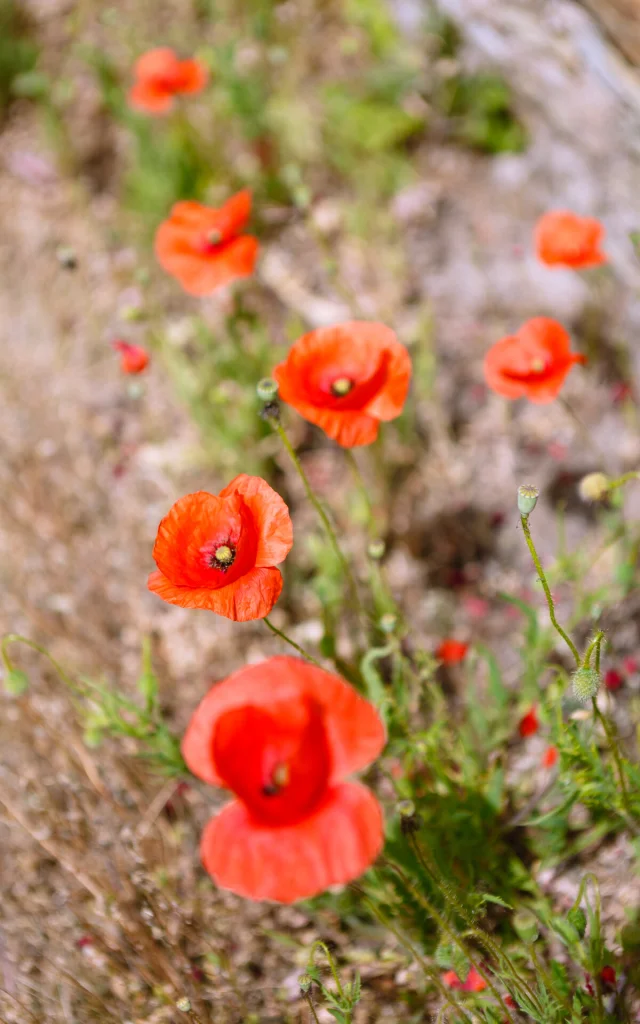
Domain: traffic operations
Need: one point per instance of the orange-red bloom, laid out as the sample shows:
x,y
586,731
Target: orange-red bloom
x,y
134,359
220,552
346,379
160,76
563,239
532,363
203,247
282,735
452,651
474,983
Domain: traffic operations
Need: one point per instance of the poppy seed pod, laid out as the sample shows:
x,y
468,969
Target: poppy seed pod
x,y
585,683
578,919
527,498
267,389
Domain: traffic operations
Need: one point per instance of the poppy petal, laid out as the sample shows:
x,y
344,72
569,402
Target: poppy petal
x,y
271,516
349,429
203,274
252,596
334,845
145,95
158,63
192,76
355,731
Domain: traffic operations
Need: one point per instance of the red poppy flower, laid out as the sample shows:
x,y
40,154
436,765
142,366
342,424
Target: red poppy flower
x,y
613,680
630,665
532,363
134,359
282,735
160,76
608,976
563,239
550,757
474,983
203,247
529,724
346,379
220,552
452,651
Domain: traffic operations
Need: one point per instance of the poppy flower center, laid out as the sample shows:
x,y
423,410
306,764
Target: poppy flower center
x,y
280,778
342,386
538,365
223,557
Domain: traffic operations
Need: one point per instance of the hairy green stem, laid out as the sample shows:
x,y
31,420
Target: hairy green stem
x,y
545,586
326,522
309,1000
14,638
292,643
615,751
319,944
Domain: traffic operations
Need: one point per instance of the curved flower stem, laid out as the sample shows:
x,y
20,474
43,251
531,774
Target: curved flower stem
x,y
445,927
309,1000
622,480
429,971
292,643
594,645
615,750
319,944
362,488
15,638
326,522
545,586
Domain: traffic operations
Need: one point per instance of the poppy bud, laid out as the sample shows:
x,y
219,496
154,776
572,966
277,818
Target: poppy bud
x,y
305,981
184,1005
527,498
526,925
593,487
388,622
267,389
16,682
408,817
586,683
376,550
578,919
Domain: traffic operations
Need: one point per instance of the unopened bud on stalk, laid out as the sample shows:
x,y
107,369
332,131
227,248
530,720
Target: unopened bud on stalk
x,y
586,683
527,498
305,981
376,549
267,389
16,682
594,487
388,622
578,919
408,817
184,1005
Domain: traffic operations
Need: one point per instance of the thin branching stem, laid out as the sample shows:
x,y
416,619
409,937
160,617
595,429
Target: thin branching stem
x,y
292,643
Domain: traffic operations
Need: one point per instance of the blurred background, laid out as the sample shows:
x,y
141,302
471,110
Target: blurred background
x,y
399,154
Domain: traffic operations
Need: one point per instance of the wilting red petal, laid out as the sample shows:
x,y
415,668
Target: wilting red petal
x,y
148,97
452,651
271,517
332,846
474,983
135,359
528,724
252,596
354,730
191,76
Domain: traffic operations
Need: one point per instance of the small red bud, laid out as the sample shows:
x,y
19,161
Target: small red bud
x,y
608,975
134,359
550,757
613,680
529,724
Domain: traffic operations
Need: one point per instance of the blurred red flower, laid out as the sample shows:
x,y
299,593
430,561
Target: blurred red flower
x,y
282,735
474,983
630,665
531,363
550,757
564,239
160,76
134,358
220,552
613,680
529,723
203,246
346,379
451,651
608,975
